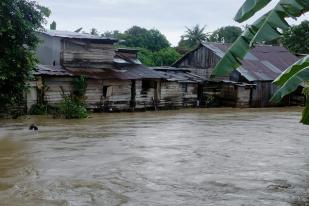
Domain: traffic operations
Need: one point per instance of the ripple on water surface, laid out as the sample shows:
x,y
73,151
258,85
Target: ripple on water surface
x,y
187,157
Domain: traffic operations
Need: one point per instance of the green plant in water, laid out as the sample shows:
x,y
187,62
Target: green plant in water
x,y
72,109
73,105
39,109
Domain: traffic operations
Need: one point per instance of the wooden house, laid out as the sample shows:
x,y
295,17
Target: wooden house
x,y
179,88
259,68
116,79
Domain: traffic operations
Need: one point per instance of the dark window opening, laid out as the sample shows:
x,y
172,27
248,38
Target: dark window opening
x,y
147,84
105,88
184,87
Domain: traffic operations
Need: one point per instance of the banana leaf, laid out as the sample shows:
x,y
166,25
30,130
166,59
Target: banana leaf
x,y
249,8
291,84
238,50
293,69
268,27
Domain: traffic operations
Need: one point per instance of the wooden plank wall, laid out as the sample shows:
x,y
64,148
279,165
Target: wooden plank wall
x,y
201,62
119,94
53,95
262,94
171,94
144,99
83,54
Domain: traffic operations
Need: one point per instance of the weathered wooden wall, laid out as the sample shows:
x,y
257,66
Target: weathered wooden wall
x,y
53,94
171,94
243,96
89,55
118,95
202,62
262,94
145,98
190,96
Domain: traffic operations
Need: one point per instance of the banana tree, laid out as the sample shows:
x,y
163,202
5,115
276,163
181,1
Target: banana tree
x,y
268,27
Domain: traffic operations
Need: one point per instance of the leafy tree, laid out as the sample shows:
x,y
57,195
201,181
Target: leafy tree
x,y
146,57
193,36
166,57
152,39
226,34
111,34
20,19
268,27
53,26
296,39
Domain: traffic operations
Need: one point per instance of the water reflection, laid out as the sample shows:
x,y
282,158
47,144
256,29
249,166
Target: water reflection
x,y
187,157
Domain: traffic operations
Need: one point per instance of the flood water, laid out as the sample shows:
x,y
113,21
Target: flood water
x,y
203,157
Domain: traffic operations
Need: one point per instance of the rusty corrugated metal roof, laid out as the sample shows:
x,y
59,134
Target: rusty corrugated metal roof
x,y
47,70
262,63
178,75
128,72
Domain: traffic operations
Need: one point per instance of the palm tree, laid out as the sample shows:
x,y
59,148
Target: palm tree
x,y
195,35
268,27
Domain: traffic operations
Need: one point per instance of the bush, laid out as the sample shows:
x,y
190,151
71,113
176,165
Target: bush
x,y
72,109
39,109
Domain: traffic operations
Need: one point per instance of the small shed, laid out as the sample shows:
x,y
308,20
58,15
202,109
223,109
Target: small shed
x,y
180,87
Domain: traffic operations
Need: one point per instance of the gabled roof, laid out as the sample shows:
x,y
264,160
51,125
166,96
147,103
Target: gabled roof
x,y
262,63
178,74
75,35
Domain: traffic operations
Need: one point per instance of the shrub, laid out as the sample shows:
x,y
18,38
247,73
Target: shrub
x,y
39,109
72,109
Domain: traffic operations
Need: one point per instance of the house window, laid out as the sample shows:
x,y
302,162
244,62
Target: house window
x,y
106,91
184,87
146,85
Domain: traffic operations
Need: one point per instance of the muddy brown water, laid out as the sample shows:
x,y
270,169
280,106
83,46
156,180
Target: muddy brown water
x,y
186,157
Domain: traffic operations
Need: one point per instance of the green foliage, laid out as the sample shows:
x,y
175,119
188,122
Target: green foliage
x,y
268,28
226,34
19,21
72,109
146,57
79,86
296,39
249,8
111,34
73,105
164,57
39,109
139,37
193,36
53,26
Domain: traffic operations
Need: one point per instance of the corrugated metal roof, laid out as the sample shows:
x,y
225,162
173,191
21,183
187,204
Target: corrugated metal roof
x,y
178,75
45,70
129,72
262,63
75,35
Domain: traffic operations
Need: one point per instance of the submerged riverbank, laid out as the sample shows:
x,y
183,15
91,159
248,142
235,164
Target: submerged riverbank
x,y
182,157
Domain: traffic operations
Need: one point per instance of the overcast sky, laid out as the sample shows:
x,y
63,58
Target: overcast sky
x,y
168,16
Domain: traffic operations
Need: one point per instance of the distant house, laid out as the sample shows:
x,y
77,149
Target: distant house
x,y
179,88
116,79
259,68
